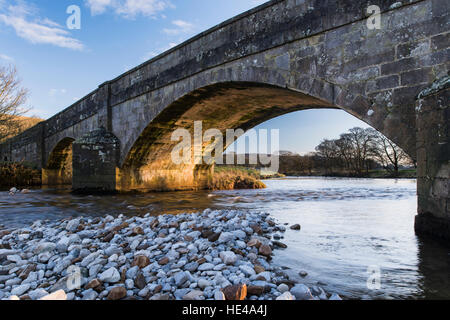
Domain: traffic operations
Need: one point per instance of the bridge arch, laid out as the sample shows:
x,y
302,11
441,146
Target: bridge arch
x,y
58,169
222,106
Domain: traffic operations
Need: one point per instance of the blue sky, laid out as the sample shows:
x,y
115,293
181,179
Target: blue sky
x,y
59,65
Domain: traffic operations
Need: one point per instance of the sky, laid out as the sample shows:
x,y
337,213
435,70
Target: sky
x,y
60,65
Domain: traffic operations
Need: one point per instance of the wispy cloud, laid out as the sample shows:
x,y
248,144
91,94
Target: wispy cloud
x,y
25,21
6,58
57,92
158,51
129,9
180,27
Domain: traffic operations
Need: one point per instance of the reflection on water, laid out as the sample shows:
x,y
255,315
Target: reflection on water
x,y
347,226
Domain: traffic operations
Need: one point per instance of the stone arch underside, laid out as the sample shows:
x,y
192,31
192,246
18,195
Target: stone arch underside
x,y
230,105
58,170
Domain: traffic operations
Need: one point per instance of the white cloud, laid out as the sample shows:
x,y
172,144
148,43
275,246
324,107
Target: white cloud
x,y
37,31
5,57
98,6
158,51
181,27
57,92
129,9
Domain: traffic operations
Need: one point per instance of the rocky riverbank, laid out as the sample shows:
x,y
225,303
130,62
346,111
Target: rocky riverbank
x,y
216,255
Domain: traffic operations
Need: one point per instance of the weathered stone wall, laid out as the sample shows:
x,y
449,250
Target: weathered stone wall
x,y
27,147
433,152
95,158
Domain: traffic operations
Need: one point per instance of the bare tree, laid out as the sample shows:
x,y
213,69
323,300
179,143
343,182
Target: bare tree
x,y
12,98
329,151
389,154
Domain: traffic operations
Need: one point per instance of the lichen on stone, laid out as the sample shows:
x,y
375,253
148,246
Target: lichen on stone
x,y
438,85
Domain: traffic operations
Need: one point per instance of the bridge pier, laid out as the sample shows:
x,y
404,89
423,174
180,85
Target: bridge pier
x,y
433,154
95,159
56,177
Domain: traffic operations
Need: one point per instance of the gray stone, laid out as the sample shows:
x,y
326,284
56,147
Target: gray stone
x,y
20,290
286,296
218,295
111,276
193,295
6,252
335,296
180,278
206,266
226,237
129,284
90,258
37,294
90,294
44,257
132,272
72,225
13,282
283,288
301,292
203,283
94,270
14,258
44,247
228,257
247,270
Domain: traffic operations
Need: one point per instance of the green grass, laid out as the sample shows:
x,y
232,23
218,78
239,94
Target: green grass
x,y
230,178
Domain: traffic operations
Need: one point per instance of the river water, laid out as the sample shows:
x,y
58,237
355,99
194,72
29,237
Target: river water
x,y
350,229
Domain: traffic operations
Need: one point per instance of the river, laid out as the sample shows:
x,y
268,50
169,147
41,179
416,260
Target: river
x,y
348,226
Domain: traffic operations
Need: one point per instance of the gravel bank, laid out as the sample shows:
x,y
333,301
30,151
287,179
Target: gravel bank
x,y
213,255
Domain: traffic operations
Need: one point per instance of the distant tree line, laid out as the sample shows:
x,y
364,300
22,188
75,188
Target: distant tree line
x,y
360,150
355,153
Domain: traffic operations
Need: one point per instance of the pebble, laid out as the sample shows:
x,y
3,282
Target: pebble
x,y
72,225
20,290
117,293
286,296
228,257
335,296
111,275
301,292
206,266
193,295
283,288
247,270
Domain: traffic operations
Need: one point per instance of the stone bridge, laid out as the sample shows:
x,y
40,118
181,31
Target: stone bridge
x,y
283,56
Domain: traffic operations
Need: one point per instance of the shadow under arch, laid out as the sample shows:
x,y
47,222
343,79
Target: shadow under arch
x,y
226,105
58,170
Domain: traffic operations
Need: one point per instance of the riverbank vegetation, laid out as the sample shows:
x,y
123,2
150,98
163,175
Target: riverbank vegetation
x,y
230,178
359,152
19,175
